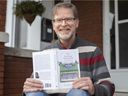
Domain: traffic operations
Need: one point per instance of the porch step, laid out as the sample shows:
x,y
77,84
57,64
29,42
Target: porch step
x,y
121,94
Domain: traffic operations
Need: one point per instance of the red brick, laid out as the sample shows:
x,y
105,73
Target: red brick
x,y
90,15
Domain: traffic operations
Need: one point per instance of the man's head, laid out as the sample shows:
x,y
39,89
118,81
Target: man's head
x,y
65,20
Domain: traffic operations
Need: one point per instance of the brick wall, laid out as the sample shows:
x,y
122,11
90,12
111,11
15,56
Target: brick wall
x,y
90,13
17,69
1,68
2,28
2,14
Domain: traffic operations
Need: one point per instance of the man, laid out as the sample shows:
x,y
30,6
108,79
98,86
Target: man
x,y
95,78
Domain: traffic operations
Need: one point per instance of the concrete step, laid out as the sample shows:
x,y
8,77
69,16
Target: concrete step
x,y
121,94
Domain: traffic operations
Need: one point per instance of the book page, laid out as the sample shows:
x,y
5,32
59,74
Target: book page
x,y
68,65
44,69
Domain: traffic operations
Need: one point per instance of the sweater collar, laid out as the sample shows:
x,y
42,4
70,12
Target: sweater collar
x,y
72,46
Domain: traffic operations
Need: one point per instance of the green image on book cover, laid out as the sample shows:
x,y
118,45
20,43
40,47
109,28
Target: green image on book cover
x,y
68,71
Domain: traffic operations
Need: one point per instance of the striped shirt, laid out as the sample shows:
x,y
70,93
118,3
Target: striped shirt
x,y
93,65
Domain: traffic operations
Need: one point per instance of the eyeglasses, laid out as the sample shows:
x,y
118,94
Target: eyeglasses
x,y
68,20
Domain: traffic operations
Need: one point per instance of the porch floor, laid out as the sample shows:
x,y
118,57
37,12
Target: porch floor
x,y
121,94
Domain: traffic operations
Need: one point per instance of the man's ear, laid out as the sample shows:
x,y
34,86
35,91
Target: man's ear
x,y
77,23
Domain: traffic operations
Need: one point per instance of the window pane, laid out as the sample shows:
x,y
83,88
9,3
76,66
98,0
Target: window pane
x,y
123,9
112,37
123,45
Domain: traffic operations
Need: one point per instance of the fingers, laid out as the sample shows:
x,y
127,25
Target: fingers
x,y
31,89
32,85
33,82
84,83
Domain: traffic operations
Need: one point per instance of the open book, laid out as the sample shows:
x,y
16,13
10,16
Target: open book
x,y
56,69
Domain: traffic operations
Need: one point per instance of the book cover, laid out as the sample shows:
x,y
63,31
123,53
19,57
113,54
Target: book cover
x,y
56,68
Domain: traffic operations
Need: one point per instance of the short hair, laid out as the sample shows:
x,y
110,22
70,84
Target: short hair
x,y
65,5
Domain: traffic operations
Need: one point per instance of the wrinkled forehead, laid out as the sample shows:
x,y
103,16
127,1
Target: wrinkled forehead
x,y
62,11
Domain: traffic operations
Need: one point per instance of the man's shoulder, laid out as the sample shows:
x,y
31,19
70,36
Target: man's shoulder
x,y
87,45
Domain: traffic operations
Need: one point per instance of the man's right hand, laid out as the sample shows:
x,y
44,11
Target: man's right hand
x,y
31,85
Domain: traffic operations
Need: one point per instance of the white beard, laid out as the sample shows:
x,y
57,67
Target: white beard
x,y
65,36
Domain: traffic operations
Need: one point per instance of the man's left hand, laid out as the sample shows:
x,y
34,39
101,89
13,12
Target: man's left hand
x,y
84,83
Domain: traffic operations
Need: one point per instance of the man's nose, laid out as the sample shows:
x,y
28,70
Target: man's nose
x,y
64,22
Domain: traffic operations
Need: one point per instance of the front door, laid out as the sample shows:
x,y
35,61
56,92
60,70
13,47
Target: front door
x,y
116,41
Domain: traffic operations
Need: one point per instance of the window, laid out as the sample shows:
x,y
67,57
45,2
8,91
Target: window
x,y
118,34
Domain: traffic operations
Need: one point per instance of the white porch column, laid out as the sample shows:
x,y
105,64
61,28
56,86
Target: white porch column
x,y
34,34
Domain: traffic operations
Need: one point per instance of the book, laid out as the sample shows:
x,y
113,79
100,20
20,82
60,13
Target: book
x,y
56,69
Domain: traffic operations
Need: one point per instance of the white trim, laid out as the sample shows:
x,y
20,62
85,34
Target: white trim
x,y
123,21
4,37
116,35
120,70
10,23
106,33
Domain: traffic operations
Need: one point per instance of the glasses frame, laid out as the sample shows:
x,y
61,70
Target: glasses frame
x,y
67,20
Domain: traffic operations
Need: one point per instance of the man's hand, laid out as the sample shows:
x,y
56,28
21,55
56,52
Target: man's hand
x,y
32,85
84,83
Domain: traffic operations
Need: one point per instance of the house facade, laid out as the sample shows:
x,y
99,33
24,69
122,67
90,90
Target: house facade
x,y
102,22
